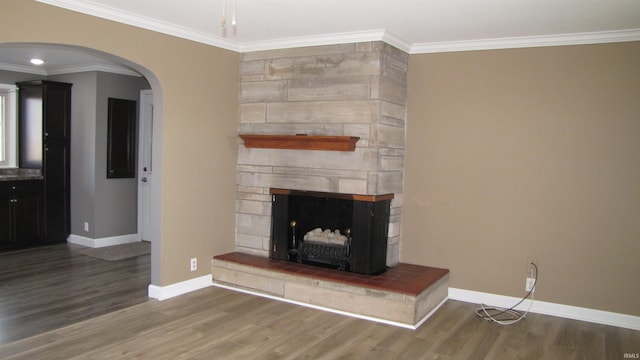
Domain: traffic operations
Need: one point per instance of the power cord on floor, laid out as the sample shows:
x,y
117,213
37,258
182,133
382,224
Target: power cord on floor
x,y
508,316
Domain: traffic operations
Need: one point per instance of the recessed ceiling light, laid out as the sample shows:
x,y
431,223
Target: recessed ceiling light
x,y
37,61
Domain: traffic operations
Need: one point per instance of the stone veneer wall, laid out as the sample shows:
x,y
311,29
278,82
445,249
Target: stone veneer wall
x,y
356,89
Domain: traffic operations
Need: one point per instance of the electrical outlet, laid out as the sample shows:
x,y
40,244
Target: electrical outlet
x,y
529,286
86,226
532,273
194,264
529,267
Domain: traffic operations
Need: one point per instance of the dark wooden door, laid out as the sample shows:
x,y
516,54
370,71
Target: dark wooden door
x,y
45,122
27,225
6,221
21,214
56,164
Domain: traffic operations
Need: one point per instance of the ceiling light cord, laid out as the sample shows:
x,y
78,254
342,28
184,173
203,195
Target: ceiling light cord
x,y
504,316
223,20
233,16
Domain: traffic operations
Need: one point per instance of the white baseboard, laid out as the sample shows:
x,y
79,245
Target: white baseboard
x,y
547,308
183,287
101,242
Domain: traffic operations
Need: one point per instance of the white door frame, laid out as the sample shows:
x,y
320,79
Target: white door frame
x,y
145,165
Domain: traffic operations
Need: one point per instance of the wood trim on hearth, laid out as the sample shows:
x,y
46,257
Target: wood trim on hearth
x,y
356,197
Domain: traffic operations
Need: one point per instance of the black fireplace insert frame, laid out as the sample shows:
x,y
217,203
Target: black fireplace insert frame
x,y
364,217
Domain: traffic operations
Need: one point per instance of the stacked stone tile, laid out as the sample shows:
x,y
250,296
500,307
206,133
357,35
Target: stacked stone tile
x,y
356,89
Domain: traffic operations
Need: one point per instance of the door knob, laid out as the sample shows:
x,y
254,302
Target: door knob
x,y
144,179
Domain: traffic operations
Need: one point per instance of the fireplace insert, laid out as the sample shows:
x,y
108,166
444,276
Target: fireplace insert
x,y
345,231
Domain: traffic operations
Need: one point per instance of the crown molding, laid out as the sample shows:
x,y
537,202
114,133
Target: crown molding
x,y
23,69
68,69
92,67
303,41
113,14
397,42
528,41
143,22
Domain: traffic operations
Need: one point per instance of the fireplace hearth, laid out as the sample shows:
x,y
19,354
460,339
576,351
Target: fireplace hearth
x,y
344,231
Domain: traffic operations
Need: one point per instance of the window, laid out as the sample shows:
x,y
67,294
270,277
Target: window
x,y
8,125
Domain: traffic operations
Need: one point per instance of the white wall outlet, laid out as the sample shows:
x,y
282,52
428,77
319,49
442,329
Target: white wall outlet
x,y
529,286
86,226
531,260
194,264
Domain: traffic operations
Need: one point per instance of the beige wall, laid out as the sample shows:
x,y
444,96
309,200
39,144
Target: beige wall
x,y
511,155
528,153
195,91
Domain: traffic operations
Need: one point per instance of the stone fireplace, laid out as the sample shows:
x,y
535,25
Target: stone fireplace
x,y
355,90
326,120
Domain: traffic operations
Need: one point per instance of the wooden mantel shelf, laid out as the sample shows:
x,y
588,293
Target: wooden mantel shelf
x,y
301,142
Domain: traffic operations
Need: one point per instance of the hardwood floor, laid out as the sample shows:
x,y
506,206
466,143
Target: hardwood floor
x,y
215,323
50,287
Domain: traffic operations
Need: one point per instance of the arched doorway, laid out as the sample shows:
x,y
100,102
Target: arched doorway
x,y
74,59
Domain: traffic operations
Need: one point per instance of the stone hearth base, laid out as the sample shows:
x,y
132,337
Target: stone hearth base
x,y
405,295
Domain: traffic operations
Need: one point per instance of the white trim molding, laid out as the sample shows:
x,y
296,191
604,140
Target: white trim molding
x,y
177,289
325,39
101,242
547,308
22,69
148,23
113,14
528,41
92,67
69,69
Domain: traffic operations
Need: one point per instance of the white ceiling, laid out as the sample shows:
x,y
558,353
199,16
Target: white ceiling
x,y
415,26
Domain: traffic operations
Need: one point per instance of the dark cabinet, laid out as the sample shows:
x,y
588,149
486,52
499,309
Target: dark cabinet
x,y
121,138
44,113
21,214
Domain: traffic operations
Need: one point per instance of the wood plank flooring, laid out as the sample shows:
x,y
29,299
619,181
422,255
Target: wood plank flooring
x,y
49,287
215,323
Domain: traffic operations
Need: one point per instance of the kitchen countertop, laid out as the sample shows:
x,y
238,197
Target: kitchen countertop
x,y
20,174
20,177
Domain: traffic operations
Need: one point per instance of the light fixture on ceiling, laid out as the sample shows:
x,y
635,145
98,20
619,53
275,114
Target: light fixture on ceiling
x,y
36,61
223,21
